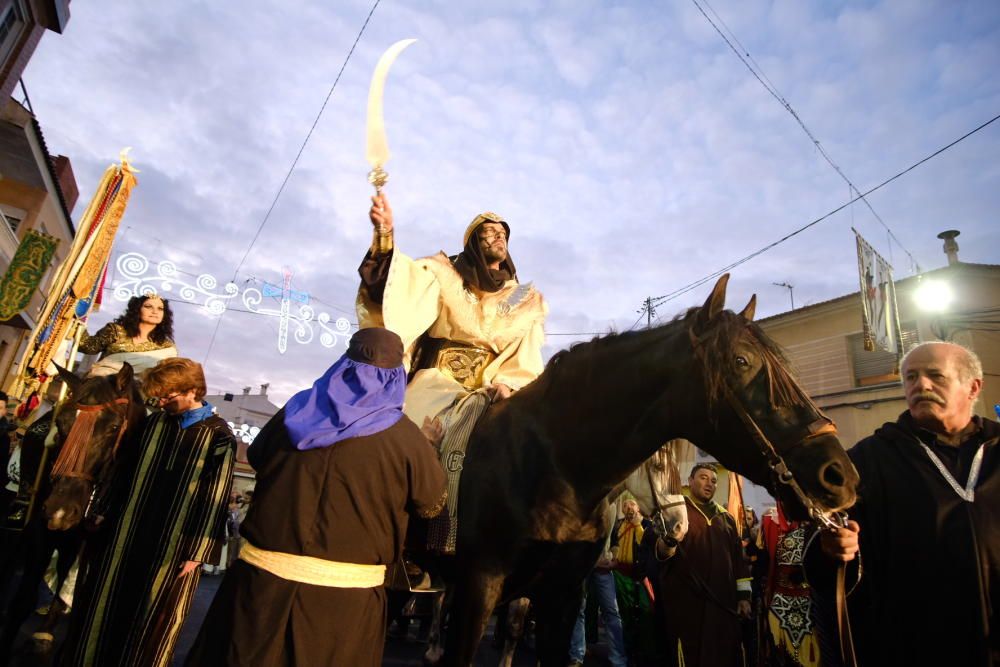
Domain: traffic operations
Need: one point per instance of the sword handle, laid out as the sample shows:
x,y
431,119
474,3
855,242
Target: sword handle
x,y
378,177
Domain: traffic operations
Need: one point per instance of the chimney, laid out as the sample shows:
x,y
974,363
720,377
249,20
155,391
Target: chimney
x,y
67,180
263,388
246,391
950,245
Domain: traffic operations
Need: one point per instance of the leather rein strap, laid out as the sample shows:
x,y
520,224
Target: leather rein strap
x,y
783,474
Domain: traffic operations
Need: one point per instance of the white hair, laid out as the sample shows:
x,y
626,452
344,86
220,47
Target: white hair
x,y
969,365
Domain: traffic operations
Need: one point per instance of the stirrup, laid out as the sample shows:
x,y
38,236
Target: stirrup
x,y
418,580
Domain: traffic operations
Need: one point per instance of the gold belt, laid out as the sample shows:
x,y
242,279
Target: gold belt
x,y
464,364
315,571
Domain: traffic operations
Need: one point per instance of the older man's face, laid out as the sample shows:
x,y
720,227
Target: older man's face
x,y
939,399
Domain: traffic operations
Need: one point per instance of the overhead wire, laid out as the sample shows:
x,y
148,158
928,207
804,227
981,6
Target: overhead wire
x,y
772,89
655,301
291,169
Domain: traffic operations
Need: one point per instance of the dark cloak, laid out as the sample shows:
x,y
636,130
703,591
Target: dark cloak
x,y
696,592
348,503
931,581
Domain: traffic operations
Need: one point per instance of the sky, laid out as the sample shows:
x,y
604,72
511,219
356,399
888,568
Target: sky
x,y
630,149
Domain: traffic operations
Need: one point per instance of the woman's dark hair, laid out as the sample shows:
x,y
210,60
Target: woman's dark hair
x,y
129,320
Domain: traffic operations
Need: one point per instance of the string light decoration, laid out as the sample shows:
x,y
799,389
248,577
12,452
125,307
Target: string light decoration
x,y
135,278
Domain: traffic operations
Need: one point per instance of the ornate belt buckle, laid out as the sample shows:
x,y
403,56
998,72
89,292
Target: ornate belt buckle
x,y
463,364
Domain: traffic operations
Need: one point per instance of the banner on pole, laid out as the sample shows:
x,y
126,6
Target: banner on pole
x,y
878,299
25,272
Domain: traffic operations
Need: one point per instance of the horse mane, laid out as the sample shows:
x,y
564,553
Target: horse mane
x,y
717,344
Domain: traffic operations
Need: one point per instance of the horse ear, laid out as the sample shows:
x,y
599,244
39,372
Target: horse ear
x,y
72,381
123,380
715,303
750,309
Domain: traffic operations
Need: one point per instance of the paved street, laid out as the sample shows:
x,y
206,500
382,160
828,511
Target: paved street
x,y
398,652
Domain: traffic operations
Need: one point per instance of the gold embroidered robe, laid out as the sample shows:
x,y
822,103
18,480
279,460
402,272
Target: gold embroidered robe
x,y
427,296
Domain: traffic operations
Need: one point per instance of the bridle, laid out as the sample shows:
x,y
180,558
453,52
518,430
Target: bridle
x,y
658,509
780,472
73,454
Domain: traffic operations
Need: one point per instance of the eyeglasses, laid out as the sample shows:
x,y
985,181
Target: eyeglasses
x,y
166,399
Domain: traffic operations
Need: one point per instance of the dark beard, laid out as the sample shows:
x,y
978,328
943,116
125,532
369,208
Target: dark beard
x,y
494,255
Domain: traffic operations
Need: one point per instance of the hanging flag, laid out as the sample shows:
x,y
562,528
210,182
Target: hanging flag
x,y
734,505
80,275
878,299
25,272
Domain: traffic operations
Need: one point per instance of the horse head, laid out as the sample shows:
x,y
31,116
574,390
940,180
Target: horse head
x,y
752,398
90,424
655,486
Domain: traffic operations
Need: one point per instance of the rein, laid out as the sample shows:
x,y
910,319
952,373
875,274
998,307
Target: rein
x,y
73,455
775,462
784,475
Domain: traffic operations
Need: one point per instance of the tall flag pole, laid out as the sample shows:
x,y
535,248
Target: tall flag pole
x,y
77,283
880,315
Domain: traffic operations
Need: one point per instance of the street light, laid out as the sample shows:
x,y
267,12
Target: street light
x,y
933,296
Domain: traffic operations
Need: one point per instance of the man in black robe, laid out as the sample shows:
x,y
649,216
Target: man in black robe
x,y
340,470
929,522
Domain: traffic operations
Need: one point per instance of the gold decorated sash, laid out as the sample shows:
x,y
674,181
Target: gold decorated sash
x,y
314,571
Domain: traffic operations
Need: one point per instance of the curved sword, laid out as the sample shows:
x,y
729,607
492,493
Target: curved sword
x,y
377,151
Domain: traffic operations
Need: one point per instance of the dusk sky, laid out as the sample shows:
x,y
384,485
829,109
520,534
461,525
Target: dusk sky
x,y
626,143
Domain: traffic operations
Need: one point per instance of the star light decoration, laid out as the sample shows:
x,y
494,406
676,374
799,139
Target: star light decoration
x,y
135,279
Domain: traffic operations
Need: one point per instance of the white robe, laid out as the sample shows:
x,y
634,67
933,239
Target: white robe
x,y
427,296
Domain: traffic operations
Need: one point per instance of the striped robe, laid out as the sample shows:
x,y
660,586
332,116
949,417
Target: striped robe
x,y
132,603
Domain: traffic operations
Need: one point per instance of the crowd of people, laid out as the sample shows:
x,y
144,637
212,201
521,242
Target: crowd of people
x,y
379,438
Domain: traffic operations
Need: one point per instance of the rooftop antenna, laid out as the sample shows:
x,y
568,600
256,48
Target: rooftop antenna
x,y
791,292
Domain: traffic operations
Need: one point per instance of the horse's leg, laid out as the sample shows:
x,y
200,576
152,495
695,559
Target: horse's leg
x,y
435,648
38,548
517,613
556,613
68,544
475,595
557,603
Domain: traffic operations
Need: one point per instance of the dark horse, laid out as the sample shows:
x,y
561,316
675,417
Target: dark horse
x,y
541,464
98,415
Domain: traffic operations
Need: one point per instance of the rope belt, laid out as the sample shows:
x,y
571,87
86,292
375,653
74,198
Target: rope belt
x,y
315,571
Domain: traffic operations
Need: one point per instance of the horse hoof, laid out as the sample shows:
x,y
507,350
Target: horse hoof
x,y
432,657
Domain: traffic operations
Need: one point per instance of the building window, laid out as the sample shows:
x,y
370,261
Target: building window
x,y
879,367
11,22
12,222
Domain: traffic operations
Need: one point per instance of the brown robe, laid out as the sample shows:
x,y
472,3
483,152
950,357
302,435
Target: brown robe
x,y
349,502
698,594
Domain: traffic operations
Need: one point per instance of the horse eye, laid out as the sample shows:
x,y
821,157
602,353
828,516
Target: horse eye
x,y
742,362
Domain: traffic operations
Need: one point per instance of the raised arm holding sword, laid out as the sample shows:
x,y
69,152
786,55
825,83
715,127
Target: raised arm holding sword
x,y
472,333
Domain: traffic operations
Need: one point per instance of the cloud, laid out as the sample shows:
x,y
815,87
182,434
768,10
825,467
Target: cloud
x,y
631,150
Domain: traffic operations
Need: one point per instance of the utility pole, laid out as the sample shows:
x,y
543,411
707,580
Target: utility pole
x,y
649,309
791,293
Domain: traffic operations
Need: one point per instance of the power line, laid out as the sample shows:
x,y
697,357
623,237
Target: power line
x,y
295,162
715,274
770,88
